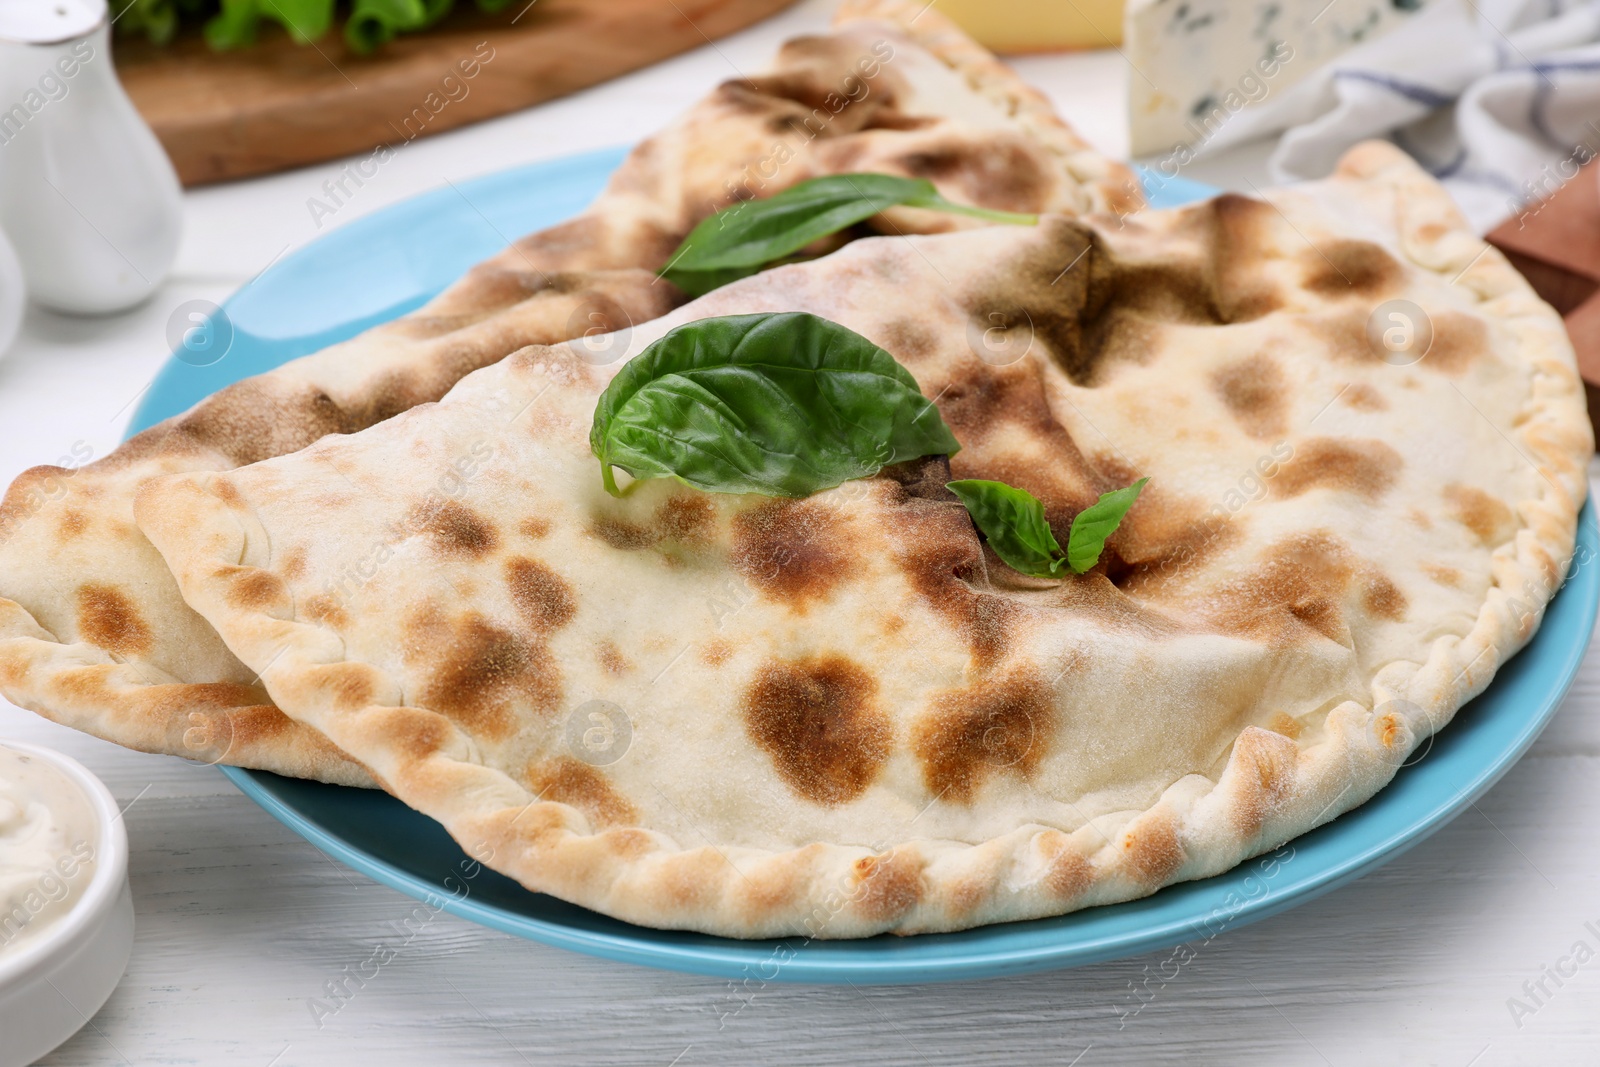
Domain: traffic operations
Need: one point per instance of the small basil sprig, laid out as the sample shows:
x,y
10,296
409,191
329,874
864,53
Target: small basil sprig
x,y
1013,521
740,240
779,404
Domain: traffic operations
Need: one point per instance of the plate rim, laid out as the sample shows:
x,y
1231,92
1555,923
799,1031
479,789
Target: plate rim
x,y
718,958
734,958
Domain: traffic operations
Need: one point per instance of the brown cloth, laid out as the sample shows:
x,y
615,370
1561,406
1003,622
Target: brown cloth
x,y
1555,243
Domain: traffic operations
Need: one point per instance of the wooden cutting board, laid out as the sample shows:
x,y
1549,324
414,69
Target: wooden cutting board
x,y
280,105
1555,243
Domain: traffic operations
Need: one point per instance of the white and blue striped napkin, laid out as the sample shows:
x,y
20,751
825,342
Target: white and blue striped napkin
x,y
1500,101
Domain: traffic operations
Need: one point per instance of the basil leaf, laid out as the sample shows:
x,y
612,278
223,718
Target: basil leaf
x,y
1095,523
1013,521
781,404
740,240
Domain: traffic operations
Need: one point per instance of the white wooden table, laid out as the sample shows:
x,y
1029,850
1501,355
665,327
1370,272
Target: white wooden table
x,y
241,923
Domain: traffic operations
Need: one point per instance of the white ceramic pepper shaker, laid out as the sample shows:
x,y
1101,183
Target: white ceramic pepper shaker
x,y
87,196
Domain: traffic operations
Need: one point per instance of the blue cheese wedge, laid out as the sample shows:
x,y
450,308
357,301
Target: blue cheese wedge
x,y
1198,62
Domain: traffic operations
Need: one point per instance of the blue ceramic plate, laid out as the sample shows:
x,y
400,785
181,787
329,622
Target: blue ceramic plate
x,y
386,264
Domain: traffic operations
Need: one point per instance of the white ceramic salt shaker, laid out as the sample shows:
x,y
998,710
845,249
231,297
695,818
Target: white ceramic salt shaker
x,y
87,196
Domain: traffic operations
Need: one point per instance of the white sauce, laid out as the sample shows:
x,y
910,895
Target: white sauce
x,y
48,834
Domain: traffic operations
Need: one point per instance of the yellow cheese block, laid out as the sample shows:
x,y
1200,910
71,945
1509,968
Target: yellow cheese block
x,y
1037,25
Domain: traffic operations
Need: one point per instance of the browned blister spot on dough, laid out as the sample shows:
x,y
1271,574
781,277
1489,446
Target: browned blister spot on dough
x,y
1391,731
1458,340
1490,520
612,661
425,627
1152,849
989,728
534,527
1264,766
13,671
1343,267
820,722
1443,575
250,587
1285,724
73,523
294,564
226,492
349,684
776,884
572,782
692,879
413,733
887,885
629,843
456,530
327,610
715,652
686,518
543,598
1363,397
622,534
1067,872
792,551
1380,596
908,340
1299,584
1007,173
1355,465
107,617
979,400
1342,334
479,670
1256,394
965,895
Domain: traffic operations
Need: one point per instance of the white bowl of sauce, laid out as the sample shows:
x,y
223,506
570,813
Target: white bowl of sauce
x,y
66,915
